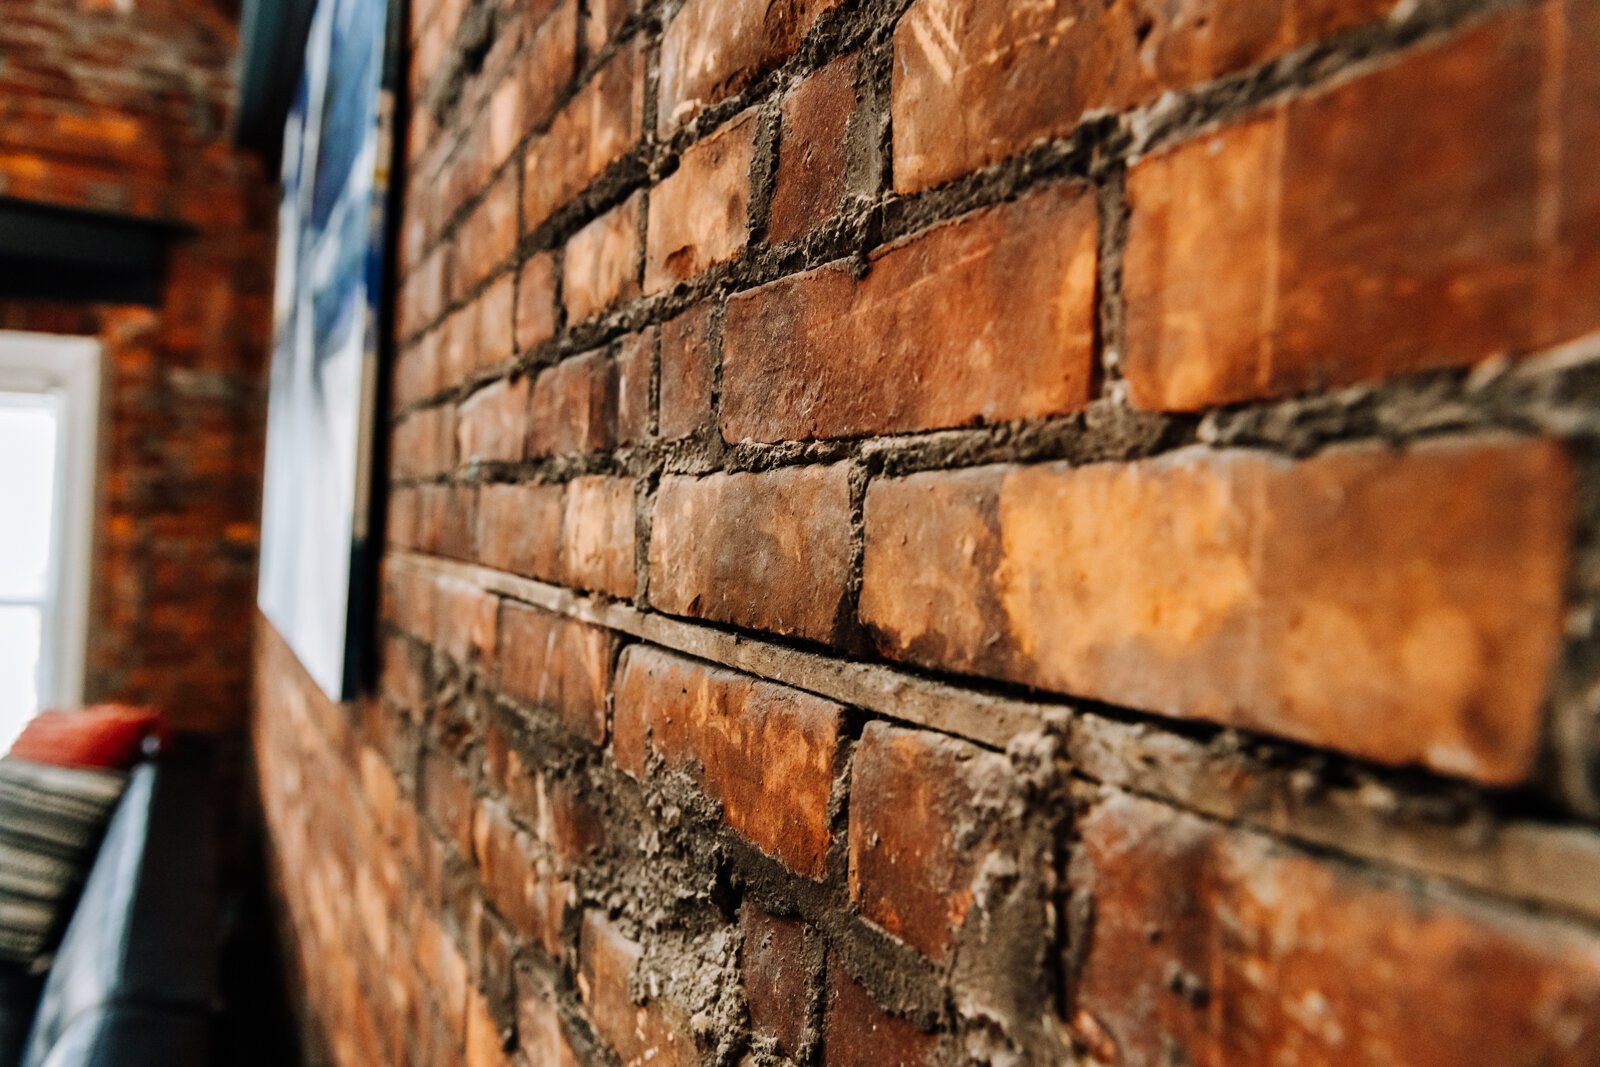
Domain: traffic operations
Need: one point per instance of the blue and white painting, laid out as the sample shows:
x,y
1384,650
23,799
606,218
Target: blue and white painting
x,y
316,584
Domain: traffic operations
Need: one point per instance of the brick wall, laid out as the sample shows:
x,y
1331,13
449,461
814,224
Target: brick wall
x,y
123,107
942,531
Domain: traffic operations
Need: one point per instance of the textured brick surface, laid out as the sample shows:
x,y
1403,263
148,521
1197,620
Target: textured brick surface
x,y
1275,956
596,127
764,550
551,662
699,216
813,159
776,966
1355,600
601,266
686,372
984,319
764,752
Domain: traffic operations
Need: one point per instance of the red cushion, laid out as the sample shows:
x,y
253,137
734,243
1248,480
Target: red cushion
x,y
108,736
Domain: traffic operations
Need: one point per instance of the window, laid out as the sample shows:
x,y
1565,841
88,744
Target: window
x,y
49,399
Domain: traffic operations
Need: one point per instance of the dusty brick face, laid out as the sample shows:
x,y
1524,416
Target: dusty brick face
x,y
1267,933
490,424
552,662
699,217
921,814
776,963
765,550
861,1034
598,126
635,390
536,302
424,443
1390,615
1371,237
764,752
517,879
598,536
714,48
574,407
487,237
967,74
655,1033
686,372
520,528
813,162
601,266
985,319
542,1038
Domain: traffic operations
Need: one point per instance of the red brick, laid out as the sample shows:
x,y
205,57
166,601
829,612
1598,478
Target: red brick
x,y
686,373
597,127
446,519
635,368
517,879
424,443
416,372
765,752
487,237
813,159
602,20
569,824
574,406
485,1044
490,424
1400,606
601,267
1214,945
861,1034
655,1033
986,319
968,75
466,621
507,776
556,663
547,67
536,302
777,967
542,1038
422,294
918,832
1390,224
713,49
519,529
493,343
447,799
768,550
598,536
699,216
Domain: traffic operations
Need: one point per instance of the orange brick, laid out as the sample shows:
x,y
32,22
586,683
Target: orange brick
x,y
768,550
601,267
597,127
985,319
490,424
519,529
635,368
536,302
969,76
813,159
1400,606
699,216
597,536
656,1032
763,751
1389,224
556,663
1214,945
686,373
574,406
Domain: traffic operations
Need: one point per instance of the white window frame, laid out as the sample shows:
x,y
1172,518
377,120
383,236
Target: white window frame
x,y
69,368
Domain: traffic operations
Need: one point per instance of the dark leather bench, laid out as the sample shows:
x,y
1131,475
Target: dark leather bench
x,y
135,980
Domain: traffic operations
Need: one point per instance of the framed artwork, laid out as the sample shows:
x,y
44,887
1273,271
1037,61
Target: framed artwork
x,y
318,553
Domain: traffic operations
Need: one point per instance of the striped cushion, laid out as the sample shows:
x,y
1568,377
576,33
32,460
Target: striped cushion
x,y
51,819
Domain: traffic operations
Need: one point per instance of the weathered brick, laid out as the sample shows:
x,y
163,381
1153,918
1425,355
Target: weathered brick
x,y
968,75
763,751
777,968
556,663
597,127
517,878
654,1033
536,302
547,66
768,550
1389,224
715,48
487,237
447,799
491,423
1214,945
635,371
445,519
813,159
1401,606
985,319
922,808
598,536
602,20
601,266
465,621
519,529
861,1034
686,373
574,406
699,216
424,443
485,1046
540,1034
